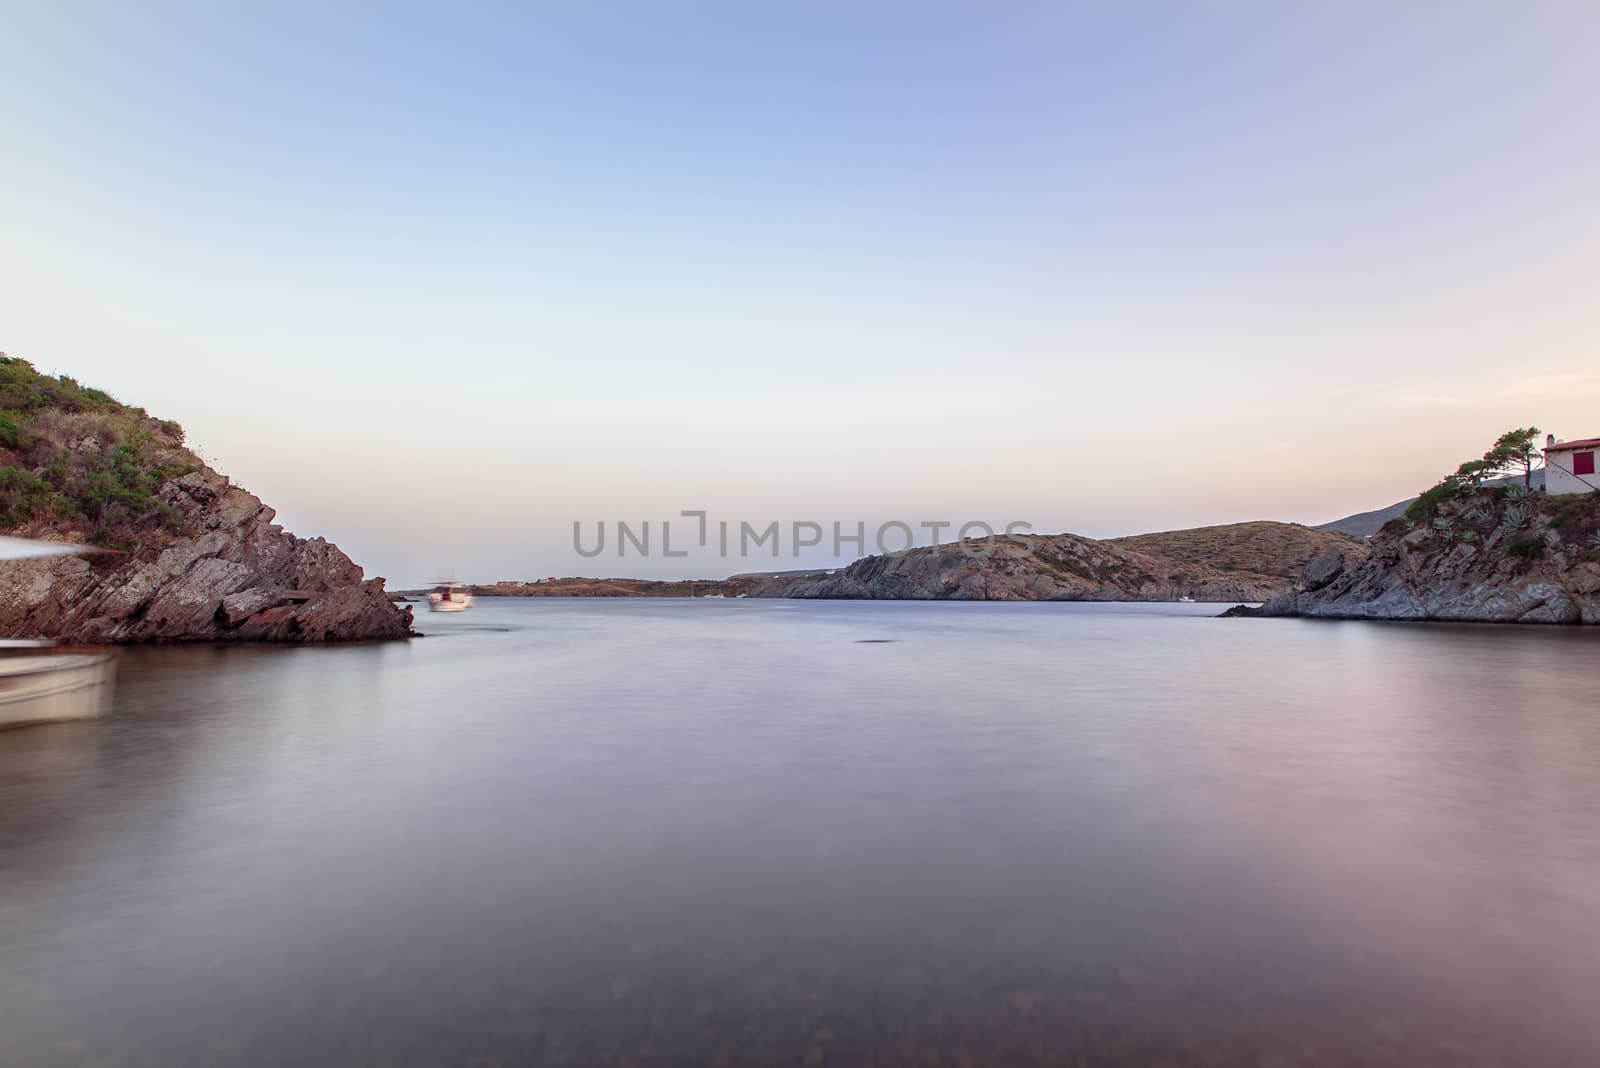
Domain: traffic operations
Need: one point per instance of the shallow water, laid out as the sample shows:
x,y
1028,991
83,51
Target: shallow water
x,y
730,832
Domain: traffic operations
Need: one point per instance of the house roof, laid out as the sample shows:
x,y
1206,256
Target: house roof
x,y
1585,443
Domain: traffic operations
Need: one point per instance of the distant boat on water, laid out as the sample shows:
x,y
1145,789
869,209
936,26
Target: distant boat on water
x,y
41,681
449,597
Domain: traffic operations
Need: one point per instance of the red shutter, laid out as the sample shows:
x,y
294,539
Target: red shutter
x,y
1583,463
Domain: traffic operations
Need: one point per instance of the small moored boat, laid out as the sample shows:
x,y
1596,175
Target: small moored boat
x,y
449,597
41,681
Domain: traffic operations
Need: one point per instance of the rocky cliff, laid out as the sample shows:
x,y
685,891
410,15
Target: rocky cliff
x,y
1061,567
193,557
1494,555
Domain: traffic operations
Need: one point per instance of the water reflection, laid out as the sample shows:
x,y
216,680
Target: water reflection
x,y
735,832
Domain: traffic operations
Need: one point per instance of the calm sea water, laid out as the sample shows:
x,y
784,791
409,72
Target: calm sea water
x,y
738,832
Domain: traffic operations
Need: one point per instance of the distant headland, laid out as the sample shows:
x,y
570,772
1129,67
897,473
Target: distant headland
x,y
1238,561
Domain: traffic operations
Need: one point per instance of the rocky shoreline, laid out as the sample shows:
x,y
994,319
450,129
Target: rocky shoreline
x,y
1495,555
182,554
1240,561
1060,567
238,578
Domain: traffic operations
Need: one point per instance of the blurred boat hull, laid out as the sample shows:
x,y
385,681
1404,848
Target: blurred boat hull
x,y
47,688
451,598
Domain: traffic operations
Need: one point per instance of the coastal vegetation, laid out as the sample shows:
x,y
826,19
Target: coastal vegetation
x,y
1514,453
75,460
1479,504
181,554
1366,524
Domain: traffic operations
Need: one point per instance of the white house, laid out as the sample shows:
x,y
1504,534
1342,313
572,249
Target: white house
x,y
1569,465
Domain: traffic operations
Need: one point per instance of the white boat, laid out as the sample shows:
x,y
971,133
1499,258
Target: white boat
x,y
46,685
449,597
1186,599
41,682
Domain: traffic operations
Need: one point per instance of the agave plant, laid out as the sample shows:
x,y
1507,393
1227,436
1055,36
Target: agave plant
x,y
1476,515
1594,540
1514,518
1468,535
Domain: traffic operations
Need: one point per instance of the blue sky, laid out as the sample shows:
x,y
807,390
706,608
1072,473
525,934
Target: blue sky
x,y
438,282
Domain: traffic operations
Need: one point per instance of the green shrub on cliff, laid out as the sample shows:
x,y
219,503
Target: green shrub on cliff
x,y
23,389
1423,508
120,480
73,457
1514,452
23,495
1525,546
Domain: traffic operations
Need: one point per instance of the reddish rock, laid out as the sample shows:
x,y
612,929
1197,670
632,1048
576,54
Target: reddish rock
x,y
230,575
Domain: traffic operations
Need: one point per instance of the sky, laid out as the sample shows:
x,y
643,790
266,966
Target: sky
x,y
439,281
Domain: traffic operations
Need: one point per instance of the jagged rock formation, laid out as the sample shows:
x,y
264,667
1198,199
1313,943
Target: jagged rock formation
x,y
237,577
1062,567
197,559
1494,556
